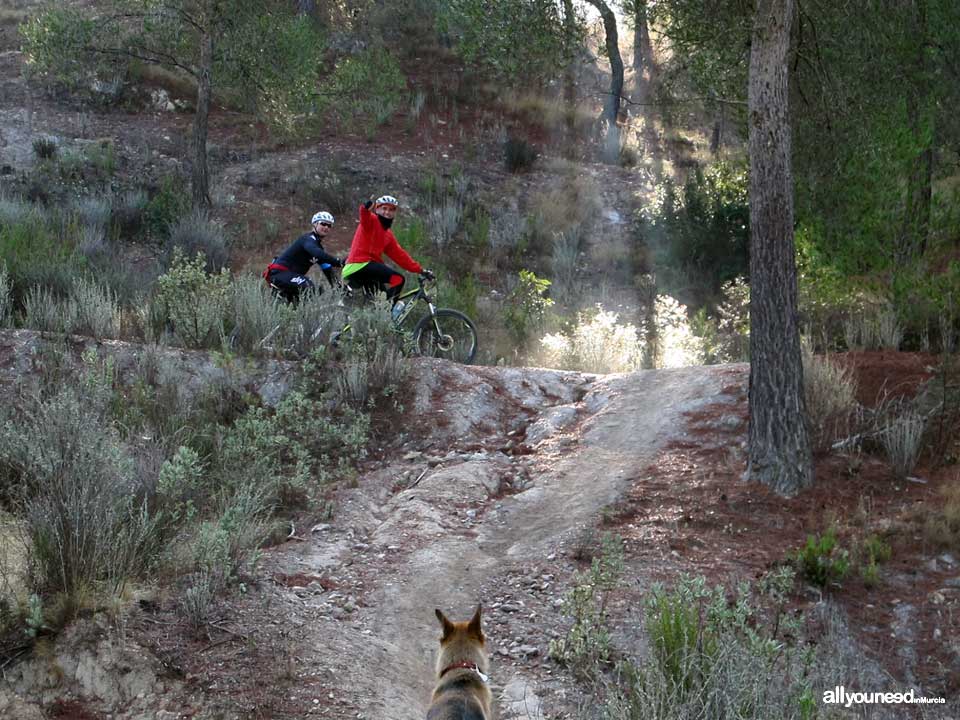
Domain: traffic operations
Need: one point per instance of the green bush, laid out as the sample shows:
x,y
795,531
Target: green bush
x,y
195,233
26,233
6,296
716,658
169,203
368,89
821,560
84,511
587,646
526,307
194,301
374,365
519,155
45,148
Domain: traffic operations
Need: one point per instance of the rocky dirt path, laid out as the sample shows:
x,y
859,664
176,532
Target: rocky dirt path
x,y
450,525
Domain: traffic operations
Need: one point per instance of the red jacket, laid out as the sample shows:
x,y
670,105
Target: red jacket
x,y
370,241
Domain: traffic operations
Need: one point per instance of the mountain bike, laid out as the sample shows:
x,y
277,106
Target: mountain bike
x,y
441,332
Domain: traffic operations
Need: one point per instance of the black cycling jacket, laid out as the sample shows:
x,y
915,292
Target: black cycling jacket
x,y
305,251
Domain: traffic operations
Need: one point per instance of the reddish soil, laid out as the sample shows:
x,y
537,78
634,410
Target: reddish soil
x,y
692,511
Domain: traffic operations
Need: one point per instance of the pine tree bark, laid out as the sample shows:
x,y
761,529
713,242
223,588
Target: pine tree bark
x,y
569,80
779,446
200,181
611,105
641,35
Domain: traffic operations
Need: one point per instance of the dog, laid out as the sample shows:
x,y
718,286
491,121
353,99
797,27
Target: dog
x,y
462,691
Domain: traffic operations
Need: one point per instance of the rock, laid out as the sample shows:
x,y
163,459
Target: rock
x,y
952,582
12,706
947,559
509,608
529,650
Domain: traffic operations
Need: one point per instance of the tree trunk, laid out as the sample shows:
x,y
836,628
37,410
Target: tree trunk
x,y
306,8
641,36
200,180
569,80
611,105
779,447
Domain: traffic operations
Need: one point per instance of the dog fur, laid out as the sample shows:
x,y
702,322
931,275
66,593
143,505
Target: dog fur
x,y
462,691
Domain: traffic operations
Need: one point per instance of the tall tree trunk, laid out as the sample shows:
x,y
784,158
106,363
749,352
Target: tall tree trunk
x,y
779,446
569,79
916,221
200,180
641,35
306,8
611,106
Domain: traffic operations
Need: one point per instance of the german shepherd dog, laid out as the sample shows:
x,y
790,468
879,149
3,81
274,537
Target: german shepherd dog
x,y
462,691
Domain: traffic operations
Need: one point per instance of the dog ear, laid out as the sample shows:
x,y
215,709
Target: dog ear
x,y
474,627
446,624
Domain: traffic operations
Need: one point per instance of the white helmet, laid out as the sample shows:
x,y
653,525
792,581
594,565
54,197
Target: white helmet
x,y
387,200
322,217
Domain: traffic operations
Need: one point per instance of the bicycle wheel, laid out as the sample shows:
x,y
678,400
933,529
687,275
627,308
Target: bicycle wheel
x,y
446,334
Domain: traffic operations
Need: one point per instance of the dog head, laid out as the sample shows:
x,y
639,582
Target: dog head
x,y
462,643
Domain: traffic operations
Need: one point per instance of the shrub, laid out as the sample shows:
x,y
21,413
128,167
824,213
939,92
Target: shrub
x,y
566,264
168,204
193,234
830,391
194,301
281,451
889,330
45,148
84,517
942,525
526,306
255,312
93,212
369,88
714,658
518,155
373,365
587,646
597,344
822,561
128,213
89,310
902,440
6,296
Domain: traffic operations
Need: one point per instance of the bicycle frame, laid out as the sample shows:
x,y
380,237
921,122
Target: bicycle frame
x,y
418,293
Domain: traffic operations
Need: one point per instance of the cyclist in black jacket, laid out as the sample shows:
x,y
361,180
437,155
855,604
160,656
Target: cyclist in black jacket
x,y
288,271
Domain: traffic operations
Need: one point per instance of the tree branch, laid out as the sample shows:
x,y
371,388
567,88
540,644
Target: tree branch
x,y
156,57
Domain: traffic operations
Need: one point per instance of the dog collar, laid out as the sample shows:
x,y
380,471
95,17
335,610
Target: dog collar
x,y
466,664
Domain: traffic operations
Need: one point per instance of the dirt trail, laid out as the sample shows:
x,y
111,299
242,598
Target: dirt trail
x,y
453,539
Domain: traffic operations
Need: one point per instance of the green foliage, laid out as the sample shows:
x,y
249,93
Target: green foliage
x,y
519,155
705,231
373,364
367,89
291,452
873,552
85,521
273,65
195,302
170,203
510,41
197,233
180,485
587,646
6,297
821,560
526,306
54,44
596,343
716,658
27,233
45,148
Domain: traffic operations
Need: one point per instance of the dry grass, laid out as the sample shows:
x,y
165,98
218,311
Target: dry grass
x,y
831,397
942,527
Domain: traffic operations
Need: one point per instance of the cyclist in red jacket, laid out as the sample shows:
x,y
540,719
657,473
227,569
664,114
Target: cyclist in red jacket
x,y
365,268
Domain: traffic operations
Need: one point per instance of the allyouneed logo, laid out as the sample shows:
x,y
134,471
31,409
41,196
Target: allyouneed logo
x,y
840,696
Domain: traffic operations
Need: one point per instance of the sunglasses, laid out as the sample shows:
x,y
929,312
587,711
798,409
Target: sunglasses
x,y
323,224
